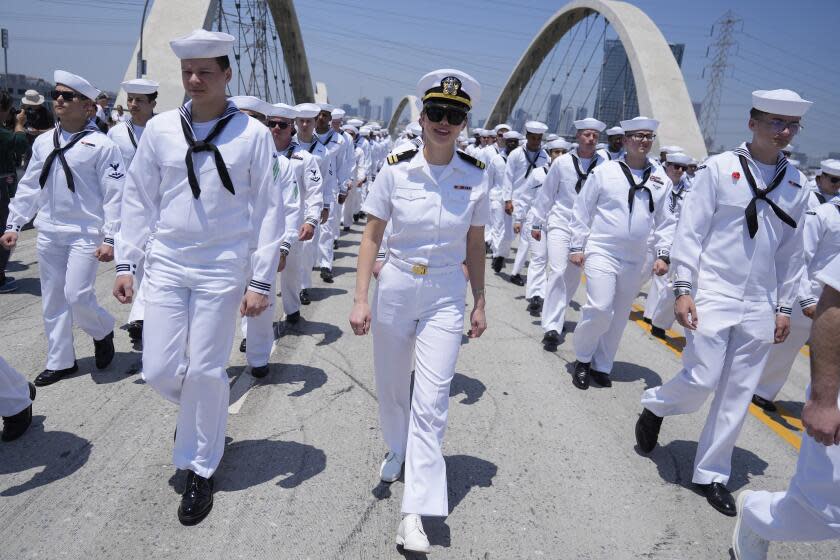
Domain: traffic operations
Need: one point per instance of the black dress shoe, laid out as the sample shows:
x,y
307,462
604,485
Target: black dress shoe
x,y
764,404
135,331
14,426
293,318
326,275
50,376
346,228
517,279
601,378
647,320
103,351
550,340
535,304
260,371
243,346
498,264
488,249
658,332
356,218
304,297
647,430
580,377
335,244
719,498
197,499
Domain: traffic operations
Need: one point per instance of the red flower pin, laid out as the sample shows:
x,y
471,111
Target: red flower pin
x,y
736,175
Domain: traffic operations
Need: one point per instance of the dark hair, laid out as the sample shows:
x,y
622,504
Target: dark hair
x,y
151,96
756,113
5,101
223,62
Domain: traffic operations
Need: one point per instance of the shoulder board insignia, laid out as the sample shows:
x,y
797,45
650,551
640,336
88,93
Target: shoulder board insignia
x,y
402,156
795,184
469,159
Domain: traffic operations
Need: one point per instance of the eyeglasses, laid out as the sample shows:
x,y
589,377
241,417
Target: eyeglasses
x,y
640,137
778,125
679,166
279,124
435,113
832,180
66,95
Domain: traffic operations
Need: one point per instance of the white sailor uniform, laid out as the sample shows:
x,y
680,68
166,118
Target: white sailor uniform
x,y
329,190
519,166
354,196
742,257
497,234
418,310
78,206
613,216
206,221
334,143
14,390
523,202
822,243
553,213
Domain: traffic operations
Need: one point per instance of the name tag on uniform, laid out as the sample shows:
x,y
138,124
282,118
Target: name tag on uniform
x,y
795,184
87,144
462,188
656,179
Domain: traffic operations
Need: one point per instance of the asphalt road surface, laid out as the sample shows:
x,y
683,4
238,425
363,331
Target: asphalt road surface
x,y
536,467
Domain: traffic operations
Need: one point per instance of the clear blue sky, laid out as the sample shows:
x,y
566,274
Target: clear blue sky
x,y
375,48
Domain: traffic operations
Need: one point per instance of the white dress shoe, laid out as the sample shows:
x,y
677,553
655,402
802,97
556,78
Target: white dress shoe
x,y
746,544
411,536
391,467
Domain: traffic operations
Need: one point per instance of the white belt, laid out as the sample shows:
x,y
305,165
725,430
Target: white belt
x,y
421,269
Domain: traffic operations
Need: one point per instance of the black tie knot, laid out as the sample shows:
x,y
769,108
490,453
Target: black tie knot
x,y
202,146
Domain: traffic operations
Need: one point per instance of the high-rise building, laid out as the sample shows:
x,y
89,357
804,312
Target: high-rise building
x,y
616,99
520,117
555,106
364,108
388,109
581,113
349,110
567,124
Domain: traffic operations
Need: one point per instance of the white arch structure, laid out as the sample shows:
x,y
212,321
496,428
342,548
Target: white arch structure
x,y
412,104
660,87
169,19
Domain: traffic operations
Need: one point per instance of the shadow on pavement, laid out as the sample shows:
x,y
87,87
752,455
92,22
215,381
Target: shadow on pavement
x,y
464,473
339,270
30,286
626,372
472,388
330,332
311,378
320,294
58,454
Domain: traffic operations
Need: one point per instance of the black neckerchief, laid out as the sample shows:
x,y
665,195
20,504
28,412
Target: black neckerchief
x,y
820,197
314,144
131,134
751,211
290,150
532,164
581,175
59,151
206,145
640,187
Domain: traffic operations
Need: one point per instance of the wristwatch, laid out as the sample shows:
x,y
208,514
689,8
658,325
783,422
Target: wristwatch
x,y
682,292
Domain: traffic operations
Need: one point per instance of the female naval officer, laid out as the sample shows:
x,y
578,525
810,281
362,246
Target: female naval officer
x,y
437,202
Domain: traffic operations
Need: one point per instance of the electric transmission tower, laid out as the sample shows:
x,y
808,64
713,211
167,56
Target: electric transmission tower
x,y
723,31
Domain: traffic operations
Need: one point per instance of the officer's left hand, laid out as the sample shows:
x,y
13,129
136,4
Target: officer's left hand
x,y
660,267
253,304
478,322
782,328
104,253
325,215
810,311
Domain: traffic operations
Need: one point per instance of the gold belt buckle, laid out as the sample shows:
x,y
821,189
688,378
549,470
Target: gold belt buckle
x,y
420,269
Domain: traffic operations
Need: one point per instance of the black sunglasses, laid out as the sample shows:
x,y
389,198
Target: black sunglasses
x,y
832,180
279,124
679,166
67,95
435,113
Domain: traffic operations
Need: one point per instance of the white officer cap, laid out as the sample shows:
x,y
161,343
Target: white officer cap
x,y
141,86
356,122
780,102
512,135
615,131
449,86
415,128
338,114
365,131
678,157
830,167
551,137
326,107
639,123
590,124
536,127
282,110
670,149
558,144
499,127
251,103
307,110
202,44
350,128
75,82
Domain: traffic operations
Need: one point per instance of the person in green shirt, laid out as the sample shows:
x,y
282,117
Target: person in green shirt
x,y
13,146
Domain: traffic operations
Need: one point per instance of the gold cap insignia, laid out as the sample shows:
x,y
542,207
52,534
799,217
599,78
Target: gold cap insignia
x,y
450,85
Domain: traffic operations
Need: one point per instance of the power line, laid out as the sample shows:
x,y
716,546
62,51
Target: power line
x,y
722,47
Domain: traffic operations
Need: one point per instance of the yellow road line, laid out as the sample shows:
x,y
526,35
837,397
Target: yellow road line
x,y
676,343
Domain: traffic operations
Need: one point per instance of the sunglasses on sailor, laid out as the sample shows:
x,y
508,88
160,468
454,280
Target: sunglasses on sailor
x,y
279,124
679,166
67,95
435,114
778,125
642,137
831,179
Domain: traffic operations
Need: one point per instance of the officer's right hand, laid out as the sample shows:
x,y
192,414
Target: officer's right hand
x,y
360,318
307,232
809,311
9,239
686,312
577,259
124,288
822,421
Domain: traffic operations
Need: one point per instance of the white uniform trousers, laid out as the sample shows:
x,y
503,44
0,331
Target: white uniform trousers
x,y
611,286
329,233
291,277
309,257
810,509
535,282
138,307
725,355
259,331
522,250
657,290
501,223
68,294
349,207
562,280
191,314
14,390
420,317
663,313
783,355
